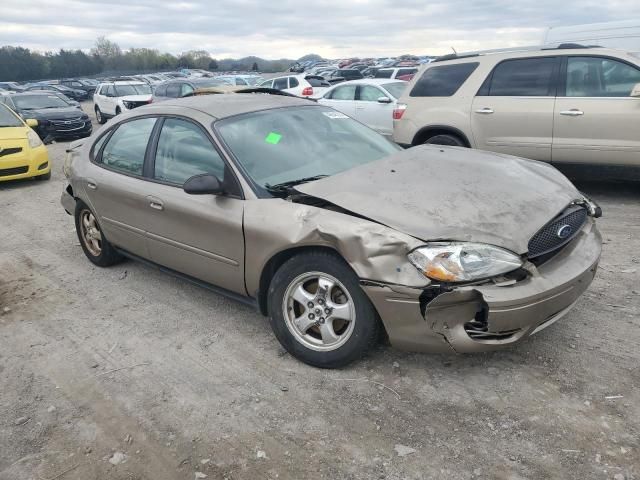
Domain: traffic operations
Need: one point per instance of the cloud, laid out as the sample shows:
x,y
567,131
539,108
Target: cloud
x,y
288,28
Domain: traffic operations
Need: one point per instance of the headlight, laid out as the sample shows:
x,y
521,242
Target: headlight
x,y
463,262
34,139
128,105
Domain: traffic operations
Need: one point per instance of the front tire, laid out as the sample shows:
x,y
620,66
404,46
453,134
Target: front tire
x,y
94,244
319,313
445,139
99,116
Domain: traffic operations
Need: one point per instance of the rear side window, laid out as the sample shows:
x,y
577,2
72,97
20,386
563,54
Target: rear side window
x,y
527,77
280,83
443,81
184,151
126,148
173,90
161,91
406,71
293,82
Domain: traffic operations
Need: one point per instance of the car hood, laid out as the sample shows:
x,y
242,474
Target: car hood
x,y
53,113
452,193
136,98
13,133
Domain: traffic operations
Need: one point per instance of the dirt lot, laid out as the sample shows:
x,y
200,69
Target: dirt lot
x,y
127,373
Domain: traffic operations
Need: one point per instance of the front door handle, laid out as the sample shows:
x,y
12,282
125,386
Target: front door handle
x,y
485,111
155,203
92,185
574,112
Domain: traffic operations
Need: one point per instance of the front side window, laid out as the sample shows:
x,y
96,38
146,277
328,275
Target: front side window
x,y
126,148
267,84
346,92
185,89
526,77
443,80
288,144
600,77
184,151
370,94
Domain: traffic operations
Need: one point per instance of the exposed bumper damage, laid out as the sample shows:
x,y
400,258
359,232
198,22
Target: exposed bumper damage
x,y
484,317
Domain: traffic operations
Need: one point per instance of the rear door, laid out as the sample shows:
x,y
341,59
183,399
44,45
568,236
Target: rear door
x,y
371,112
596,121
115,186
342,98
199,235
513,111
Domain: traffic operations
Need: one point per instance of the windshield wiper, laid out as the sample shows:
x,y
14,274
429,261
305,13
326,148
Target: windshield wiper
x,y
284,186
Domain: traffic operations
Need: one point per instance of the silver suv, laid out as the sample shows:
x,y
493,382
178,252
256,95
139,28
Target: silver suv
x,y
570,104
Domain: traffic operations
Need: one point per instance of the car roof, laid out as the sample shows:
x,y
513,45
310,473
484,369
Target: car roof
x,y
222,106
371,81
524,52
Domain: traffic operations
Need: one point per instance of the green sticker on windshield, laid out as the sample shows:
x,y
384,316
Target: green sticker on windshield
x,y
273,138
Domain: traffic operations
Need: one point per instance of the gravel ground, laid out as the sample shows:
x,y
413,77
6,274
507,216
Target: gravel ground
x,y
127,373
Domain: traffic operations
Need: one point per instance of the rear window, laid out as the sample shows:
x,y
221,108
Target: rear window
x,y
443,81
383,74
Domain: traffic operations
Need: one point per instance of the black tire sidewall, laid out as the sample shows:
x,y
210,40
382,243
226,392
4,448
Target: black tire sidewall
x,y
444,139
367,325
99,116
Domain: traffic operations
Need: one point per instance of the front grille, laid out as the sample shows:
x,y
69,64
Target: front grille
x,y
558,232
5,172
68,124
131,105
10,151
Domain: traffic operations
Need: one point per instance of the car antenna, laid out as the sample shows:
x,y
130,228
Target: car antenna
x,y
454,51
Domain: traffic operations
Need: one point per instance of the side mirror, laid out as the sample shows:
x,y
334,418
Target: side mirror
x,y
31,122
204,184
635,92
384,100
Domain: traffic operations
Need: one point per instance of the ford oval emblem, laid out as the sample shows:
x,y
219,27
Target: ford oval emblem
x,y
564,231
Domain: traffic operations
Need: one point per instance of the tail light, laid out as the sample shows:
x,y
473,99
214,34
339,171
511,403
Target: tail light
x,y
307,91
399,111
150,100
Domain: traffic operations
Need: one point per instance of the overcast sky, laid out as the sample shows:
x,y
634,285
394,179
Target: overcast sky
x,y
292,28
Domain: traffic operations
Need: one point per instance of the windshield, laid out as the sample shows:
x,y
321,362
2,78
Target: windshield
x,y
89,82
283,145
8,119
253,80
124,90
31,102
396,88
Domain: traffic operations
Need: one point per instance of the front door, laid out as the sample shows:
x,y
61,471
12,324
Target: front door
x,y
198,235
596,121
342,98
375,115
513,111
115,185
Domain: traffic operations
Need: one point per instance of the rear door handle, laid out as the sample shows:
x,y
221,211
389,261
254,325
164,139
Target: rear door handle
x,y
574,112
155,203
92,185
485,111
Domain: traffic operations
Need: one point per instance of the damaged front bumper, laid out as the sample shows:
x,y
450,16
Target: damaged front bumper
x,y
67,200
484,317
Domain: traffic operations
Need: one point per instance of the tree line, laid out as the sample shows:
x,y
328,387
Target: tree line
x,y
21,64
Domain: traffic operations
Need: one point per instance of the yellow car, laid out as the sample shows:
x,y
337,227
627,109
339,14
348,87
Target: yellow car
x,y
22,153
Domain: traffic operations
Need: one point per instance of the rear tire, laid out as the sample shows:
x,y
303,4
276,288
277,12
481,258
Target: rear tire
x,y
445,139
99,116
319,312
94,244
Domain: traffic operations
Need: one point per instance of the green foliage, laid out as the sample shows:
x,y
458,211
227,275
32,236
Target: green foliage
x,y
21,64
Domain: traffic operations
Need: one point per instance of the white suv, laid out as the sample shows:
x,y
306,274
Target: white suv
x,y
113,98
301,85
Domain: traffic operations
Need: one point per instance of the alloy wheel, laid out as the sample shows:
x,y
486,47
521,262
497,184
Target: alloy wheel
x,y
91,234
319,311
